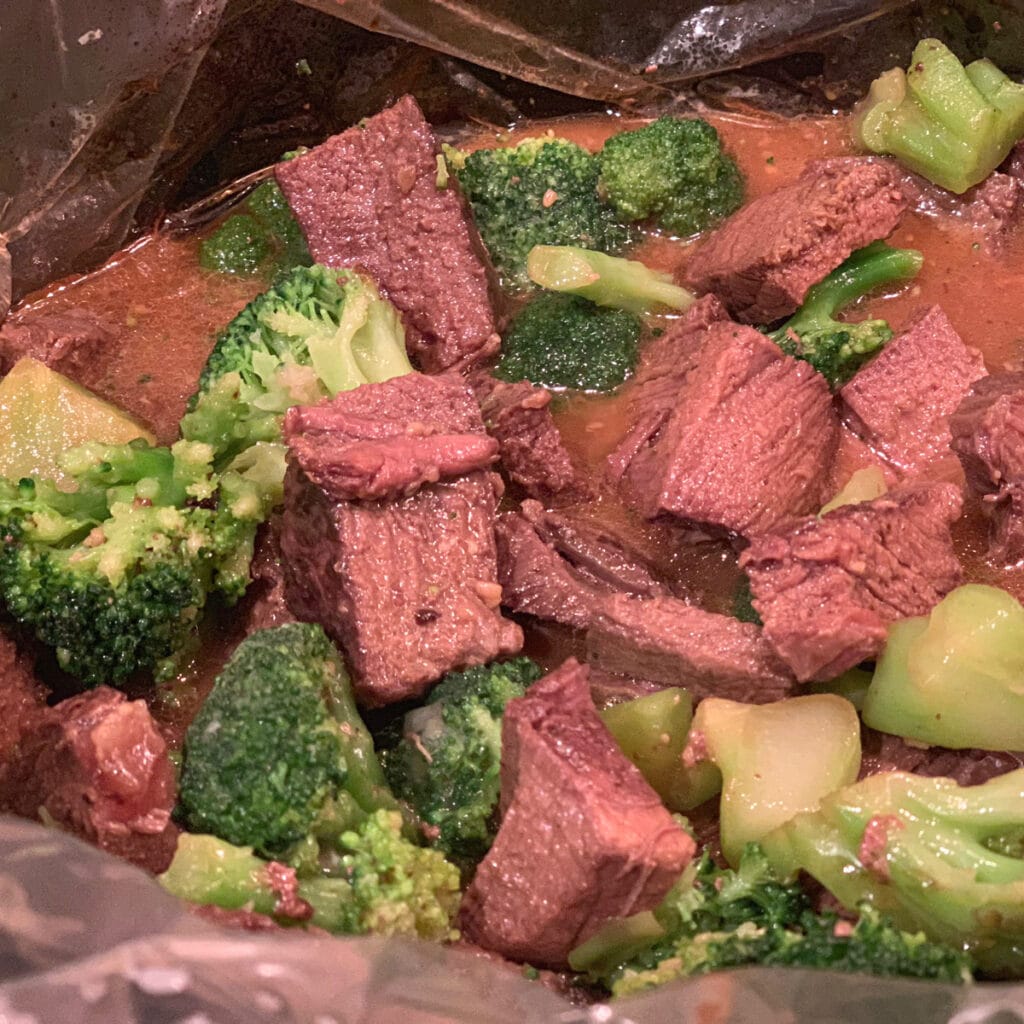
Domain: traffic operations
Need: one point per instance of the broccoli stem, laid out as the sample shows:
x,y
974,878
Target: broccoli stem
x,y
605,280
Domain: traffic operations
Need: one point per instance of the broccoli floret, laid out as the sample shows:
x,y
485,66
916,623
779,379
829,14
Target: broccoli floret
x,y
316,332
264,233
563,341
835,349
714,919
605,280
673,172
381,883
447,763
932,855
952,124
113,576
541,192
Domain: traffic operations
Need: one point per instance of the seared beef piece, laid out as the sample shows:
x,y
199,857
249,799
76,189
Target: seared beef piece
x,y
532,451
583,837
97,766
369,198
827,588
266,599
900,402
995,208
745,441
22,696
667,641
884,753
407,586
988,436
73,343
558,569
764,258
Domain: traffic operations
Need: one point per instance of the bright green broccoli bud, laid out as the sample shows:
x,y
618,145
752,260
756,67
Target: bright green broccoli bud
x,y
239,246
448,761
673,172
652,732
562,341
541,192
934,856
952,124
953,678
776,759
605,280
835,349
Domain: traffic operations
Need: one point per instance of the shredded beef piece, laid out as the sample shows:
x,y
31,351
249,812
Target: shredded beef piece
x,y
369,198
885,753
827,588
583,838
248,920
266,598
765,257
74,343
22,696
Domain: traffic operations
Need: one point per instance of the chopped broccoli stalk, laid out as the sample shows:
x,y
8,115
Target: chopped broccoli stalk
x,y
864,484
836,349
448,761
278,750
953,678
933,855
541,192
248,241
672,172
652,732
714,919
563,341
776,759
315,333
605,280
952,124
383,884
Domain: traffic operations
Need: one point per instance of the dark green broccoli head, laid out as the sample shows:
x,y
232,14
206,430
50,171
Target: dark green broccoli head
x,y
541,192
447,764
563,341
673,172
264,755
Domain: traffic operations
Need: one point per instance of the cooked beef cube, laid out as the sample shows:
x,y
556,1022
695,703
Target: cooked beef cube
x,y
765,257
22,696
583,837
73,343
899,403
97,766
266,600
532,451
667,641
746,442
407,585
369,198
558,569
827,588
884,753
988,436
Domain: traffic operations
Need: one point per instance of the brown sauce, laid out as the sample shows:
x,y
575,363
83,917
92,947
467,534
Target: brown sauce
x,y
170,310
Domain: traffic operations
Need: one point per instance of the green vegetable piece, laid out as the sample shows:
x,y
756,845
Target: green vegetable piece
x,y
954,678
776,759
239,246
673,172
864,484
270,208
852,685
652,732
540,192
605,280
951,124
836,349
563,341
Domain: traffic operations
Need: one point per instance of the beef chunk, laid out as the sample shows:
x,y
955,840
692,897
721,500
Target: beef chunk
x,y
900,402
699,458
667,641
583,837
827,588
532,451
369,198
266,600
558,569
406,585
988,436
764,258
884,753
22,696
97,766
73,343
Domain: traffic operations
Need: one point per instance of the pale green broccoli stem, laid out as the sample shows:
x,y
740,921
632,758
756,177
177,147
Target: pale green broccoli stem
x,y
605,280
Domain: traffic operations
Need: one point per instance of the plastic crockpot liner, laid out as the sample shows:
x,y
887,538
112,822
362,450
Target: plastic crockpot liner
x,y
113,109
